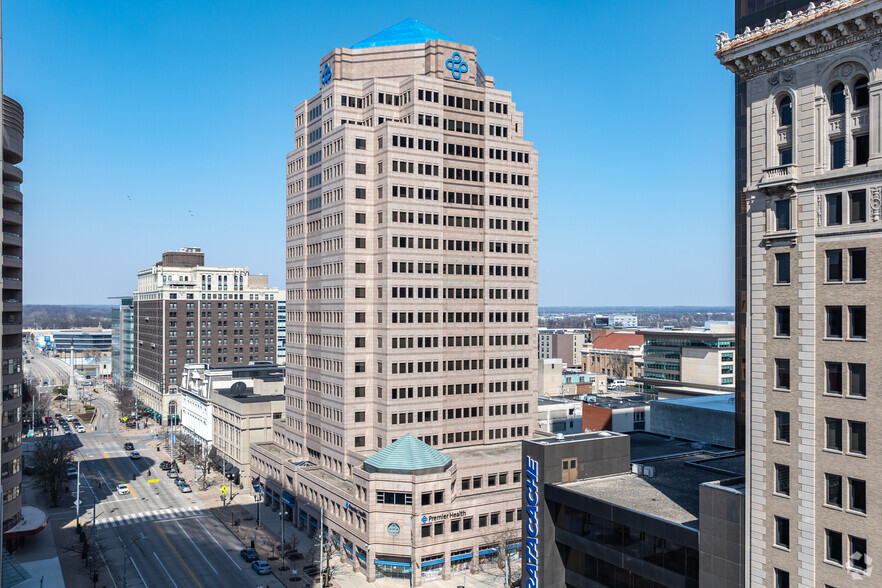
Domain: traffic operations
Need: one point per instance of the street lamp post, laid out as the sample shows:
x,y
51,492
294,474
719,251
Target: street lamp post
x,y
283,514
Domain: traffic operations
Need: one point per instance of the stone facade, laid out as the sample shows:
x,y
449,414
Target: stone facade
x,y
411,301
814,176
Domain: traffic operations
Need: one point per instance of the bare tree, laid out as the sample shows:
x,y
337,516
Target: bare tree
x,y
618,365
49,461
509,555
329,568
125,400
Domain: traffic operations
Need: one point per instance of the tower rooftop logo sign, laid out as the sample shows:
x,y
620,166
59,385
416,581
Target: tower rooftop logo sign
x,y
457,66
326,74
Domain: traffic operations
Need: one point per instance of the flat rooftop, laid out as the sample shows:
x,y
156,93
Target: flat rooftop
x,y
672,492
249,398
721,402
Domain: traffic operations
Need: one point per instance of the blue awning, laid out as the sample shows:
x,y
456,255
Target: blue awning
x,y
288,499
314,524
459,557
347,548
513,546
303,516
434,562
400,564
488,551
361,557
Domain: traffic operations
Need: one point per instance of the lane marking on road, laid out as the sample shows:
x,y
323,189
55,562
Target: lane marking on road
x,y
181,559
139,572
178,523
121,477
218,544
165,570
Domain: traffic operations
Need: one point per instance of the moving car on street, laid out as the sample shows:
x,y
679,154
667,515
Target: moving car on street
x,y
128,446
135,455
122,489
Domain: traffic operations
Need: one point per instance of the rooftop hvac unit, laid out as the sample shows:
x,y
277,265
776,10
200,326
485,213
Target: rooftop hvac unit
x,y
649,471
637,468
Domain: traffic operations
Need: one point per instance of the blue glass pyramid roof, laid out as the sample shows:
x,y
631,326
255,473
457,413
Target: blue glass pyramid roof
x,y
408,32
407,454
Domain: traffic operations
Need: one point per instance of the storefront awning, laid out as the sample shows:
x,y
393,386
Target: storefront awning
x,y
33,520
288,499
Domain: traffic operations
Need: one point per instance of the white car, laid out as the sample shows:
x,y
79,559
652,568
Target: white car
x,y
122,489
81,429
69,417
135,455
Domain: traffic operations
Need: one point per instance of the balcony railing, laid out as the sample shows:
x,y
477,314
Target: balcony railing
x,y
778,175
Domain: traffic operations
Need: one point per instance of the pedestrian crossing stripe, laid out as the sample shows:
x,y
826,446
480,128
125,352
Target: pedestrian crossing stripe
x,y
185,512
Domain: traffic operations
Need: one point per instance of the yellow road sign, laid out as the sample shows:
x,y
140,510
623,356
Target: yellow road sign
x,y
223,489
152,481
125,419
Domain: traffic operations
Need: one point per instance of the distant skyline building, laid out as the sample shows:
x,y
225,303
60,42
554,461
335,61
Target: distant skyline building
x,y
83,341
565,344
689,362
187,312
412,308
812,202
122,320
11,309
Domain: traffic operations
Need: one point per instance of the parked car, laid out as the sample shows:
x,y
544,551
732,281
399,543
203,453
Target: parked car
x,y
261,567
165,466
81,429
129,446
181,482
135,455
69,417
122,489
185,488
249,555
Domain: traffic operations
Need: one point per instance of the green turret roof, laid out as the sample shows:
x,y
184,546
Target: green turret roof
x,y
407,455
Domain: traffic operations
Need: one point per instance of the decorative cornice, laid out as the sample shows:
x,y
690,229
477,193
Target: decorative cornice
x,y
738,56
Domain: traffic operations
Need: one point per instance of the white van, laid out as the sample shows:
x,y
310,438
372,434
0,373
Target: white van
x,y
617,384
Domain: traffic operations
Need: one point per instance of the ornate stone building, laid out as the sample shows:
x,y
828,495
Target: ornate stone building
x,y
813,101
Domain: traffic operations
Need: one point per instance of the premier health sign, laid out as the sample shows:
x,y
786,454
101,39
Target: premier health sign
x,y
531,539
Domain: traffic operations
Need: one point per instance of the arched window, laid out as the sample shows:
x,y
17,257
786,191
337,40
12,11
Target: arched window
x,y
837,99
785,111
861,93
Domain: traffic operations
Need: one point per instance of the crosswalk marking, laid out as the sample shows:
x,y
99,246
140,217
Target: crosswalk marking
x,y
184,512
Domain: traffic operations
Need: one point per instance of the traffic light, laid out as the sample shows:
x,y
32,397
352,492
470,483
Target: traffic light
x,y
324,578
236,479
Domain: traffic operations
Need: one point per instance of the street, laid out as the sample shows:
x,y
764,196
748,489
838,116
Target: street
x,y
153,535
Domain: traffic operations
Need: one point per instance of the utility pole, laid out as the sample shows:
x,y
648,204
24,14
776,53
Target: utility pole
x,y
413,554
322,546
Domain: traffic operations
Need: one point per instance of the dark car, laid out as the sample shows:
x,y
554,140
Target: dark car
x,y
129,446
249,555
165,466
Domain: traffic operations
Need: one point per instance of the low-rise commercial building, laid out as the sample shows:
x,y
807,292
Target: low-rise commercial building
x,y
560,414
224,409
82,341
688,362
705,419
607,509
618,354
621,415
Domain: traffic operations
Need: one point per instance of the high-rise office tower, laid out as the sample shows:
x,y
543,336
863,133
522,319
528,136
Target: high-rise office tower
x,y
411,293
122,324
187,312
812,157
11,309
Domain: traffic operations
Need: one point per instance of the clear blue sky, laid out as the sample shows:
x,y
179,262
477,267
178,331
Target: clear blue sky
x,y
154,125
